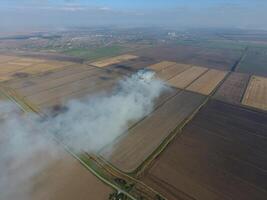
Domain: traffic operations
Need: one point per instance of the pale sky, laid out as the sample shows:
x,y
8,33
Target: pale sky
x,y
23,14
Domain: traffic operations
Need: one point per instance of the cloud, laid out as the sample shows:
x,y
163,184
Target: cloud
x,y
104,8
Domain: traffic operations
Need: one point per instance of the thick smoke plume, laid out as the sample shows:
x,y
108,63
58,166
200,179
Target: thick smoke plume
x,y
86,125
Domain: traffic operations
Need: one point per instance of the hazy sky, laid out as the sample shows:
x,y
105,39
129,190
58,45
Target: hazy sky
x,y
19,14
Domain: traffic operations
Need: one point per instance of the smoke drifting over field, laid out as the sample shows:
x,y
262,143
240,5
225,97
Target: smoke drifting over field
x,y
86,125
91,124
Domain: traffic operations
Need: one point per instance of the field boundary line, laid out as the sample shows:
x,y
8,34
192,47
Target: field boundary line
x,y
245,90
139,171
142,119
28,108
194,79
243,56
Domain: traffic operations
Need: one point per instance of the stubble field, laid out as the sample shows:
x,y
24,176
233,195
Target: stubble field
x,y
256,93
130,151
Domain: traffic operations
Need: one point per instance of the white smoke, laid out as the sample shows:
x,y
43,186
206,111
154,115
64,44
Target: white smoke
x,y
86,125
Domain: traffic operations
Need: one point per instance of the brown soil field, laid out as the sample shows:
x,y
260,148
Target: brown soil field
x,y
256,93
68,180
206,83
113,60
233,88
222,59
60,178
134,147
220,154
161,65
183,79
172,71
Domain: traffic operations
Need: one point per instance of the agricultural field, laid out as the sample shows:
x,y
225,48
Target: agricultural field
x,y
95,53
171,71
233,88
206,83
4,58
146,136
18,67
161,65
217,58
256,93
254,62
67,179
113,60
202,136
130,66
220,154
52,89
183,79
61,177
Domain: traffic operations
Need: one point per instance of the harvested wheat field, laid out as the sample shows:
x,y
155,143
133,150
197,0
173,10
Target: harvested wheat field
x,y
256,93
42,78
47,82
171,71
19,67
206,83
4,58
113,60
133,149
233,88
220,154
63,91
160,66
7,68
183,79
42,67
54,104
30,60
48,90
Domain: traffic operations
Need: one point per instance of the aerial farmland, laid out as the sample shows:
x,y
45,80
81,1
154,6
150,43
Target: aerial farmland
x,y
149,121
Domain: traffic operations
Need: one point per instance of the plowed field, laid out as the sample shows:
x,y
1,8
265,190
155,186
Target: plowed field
x,y
220,154
233,88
